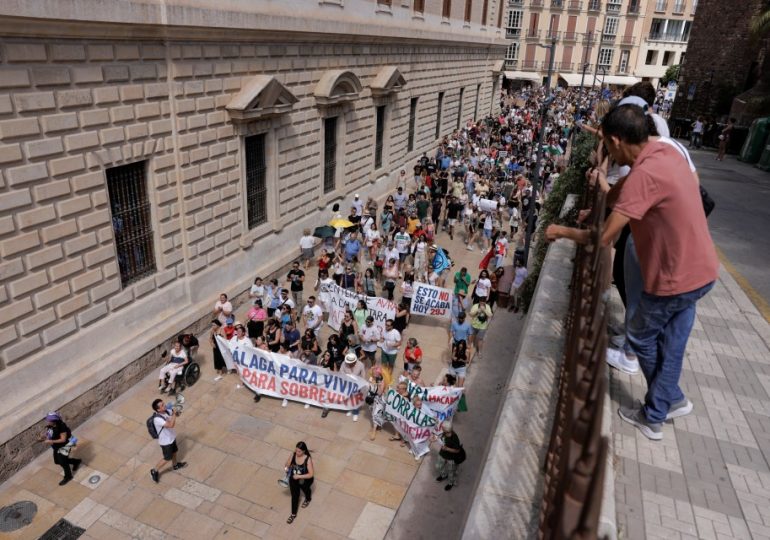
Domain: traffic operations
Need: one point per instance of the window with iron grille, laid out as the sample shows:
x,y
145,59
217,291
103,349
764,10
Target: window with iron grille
x,y
438,113
412,120
611,26
446,9
476,107
468,10
256,180
605,57
330,153
131,221
379,136
460,108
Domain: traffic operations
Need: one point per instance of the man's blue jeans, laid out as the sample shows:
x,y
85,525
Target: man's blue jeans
x,y
632,276
658,333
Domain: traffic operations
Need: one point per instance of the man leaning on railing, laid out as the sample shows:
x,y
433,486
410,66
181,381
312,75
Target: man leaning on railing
x,y
660,199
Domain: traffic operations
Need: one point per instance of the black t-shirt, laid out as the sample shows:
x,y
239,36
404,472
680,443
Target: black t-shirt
x,y
452,441
431,168
294,276
417,169
56,431
453,210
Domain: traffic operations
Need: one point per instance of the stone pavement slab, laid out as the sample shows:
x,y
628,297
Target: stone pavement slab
x,y
710,475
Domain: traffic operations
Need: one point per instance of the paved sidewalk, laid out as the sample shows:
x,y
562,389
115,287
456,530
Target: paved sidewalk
x,y
709,477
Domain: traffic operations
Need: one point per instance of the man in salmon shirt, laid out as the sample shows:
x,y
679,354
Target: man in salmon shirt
x,y
660,200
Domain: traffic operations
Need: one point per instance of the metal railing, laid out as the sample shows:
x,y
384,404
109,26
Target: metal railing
x,y
512,33
536,3
589,37
577,453
634,8
575,5
511,63
515,3
529,65
570,36
552,34
608,38
627,40
533,33
613,8
557,4
563,66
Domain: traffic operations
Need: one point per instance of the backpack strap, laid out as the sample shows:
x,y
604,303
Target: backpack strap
x,y
157,414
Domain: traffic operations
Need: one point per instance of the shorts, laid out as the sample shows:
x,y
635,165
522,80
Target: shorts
x,y
389,359
169,450
452,222
479,333
487,233
457,372
307,254
371,355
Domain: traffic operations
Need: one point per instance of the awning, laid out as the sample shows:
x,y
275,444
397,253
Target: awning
x,y
573,79
523,75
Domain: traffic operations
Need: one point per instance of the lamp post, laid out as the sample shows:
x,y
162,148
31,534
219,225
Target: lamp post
x,y
541,132
604,74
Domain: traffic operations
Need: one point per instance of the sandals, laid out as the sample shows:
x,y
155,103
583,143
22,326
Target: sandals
x,y
305,503
395,439
291,518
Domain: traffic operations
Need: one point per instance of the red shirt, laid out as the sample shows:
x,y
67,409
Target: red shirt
x,y
672,239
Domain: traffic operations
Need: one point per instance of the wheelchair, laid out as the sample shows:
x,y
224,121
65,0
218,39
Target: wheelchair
x,y
188,377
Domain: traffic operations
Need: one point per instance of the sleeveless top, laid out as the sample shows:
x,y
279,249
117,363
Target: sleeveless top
x,y
299,469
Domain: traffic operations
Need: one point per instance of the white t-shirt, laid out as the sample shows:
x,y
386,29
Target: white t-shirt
x,y
240,343
227,309
358,205
403,241
306,242
371,236
313,316
520,276
370,336
390,340
514,217
258,291
166,435
483,286
391,254
400,199
180,356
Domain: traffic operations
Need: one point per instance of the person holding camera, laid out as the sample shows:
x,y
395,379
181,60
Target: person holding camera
x,y
57,434
480,316
300,467
165,423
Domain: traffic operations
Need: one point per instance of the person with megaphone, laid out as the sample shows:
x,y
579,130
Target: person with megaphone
x,y
164,422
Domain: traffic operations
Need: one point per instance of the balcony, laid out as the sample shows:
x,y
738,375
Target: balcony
x,y
575,5
633,9
533,33
589,37
557,4
570,36
594,5
623,69
613,9
679,8
628,41
563,66
512,33
661,6
673,38
515,3
529,65
511,64
550,35
536,4
608,38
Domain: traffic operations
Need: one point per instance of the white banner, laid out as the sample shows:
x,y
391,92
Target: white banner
x,y
431,300
340,299
487,205
441,400
415,425
280,376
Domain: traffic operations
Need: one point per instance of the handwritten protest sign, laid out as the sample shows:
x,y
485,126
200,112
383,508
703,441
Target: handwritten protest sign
x,y
431,300
278,375
415,425
441,400
380,309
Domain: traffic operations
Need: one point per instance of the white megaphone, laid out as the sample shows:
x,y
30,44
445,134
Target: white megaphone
x,y
177,406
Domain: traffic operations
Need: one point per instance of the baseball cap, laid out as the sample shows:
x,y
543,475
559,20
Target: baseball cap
x,y
229,320
52,416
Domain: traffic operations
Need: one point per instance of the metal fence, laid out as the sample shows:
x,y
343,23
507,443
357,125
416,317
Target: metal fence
x,y
577,453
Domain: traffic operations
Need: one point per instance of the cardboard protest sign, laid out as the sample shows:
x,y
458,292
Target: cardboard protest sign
x,y
280,376
431,300
415,425
340,299
488,205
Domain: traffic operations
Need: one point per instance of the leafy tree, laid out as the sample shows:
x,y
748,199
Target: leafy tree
x,y
672,74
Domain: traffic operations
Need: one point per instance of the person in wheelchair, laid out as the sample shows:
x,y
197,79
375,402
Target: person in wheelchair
x,y
189,344
174,367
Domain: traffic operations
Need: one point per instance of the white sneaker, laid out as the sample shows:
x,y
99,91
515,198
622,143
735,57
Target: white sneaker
x,y
348,413
218,378
307,405
469,247
355,418
618,359
285,403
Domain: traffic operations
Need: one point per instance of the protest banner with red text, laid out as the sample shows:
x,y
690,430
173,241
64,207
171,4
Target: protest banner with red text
x,y
381,309
431,300
277,375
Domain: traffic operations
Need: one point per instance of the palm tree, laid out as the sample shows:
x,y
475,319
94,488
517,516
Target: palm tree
x,y
760,25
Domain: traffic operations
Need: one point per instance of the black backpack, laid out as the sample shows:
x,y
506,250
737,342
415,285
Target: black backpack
x,y
154,433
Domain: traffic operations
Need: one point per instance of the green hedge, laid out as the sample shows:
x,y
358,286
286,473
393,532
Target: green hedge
x,y
572,180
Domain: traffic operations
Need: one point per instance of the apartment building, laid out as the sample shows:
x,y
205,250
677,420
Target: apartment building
x,y
156,154
664,37
598,38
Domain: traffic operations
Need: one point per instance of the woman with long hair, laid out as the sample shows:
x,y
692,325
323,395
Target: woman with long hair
x,y
299,466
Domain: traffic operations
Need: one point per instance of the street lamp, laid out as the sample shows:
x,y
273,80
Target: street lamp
x,y
604,73
541,132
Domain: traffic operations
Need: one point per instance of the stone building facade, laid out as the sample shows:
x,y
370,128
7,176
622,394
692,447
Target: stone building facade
x,y
722,60
154,155
666,30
